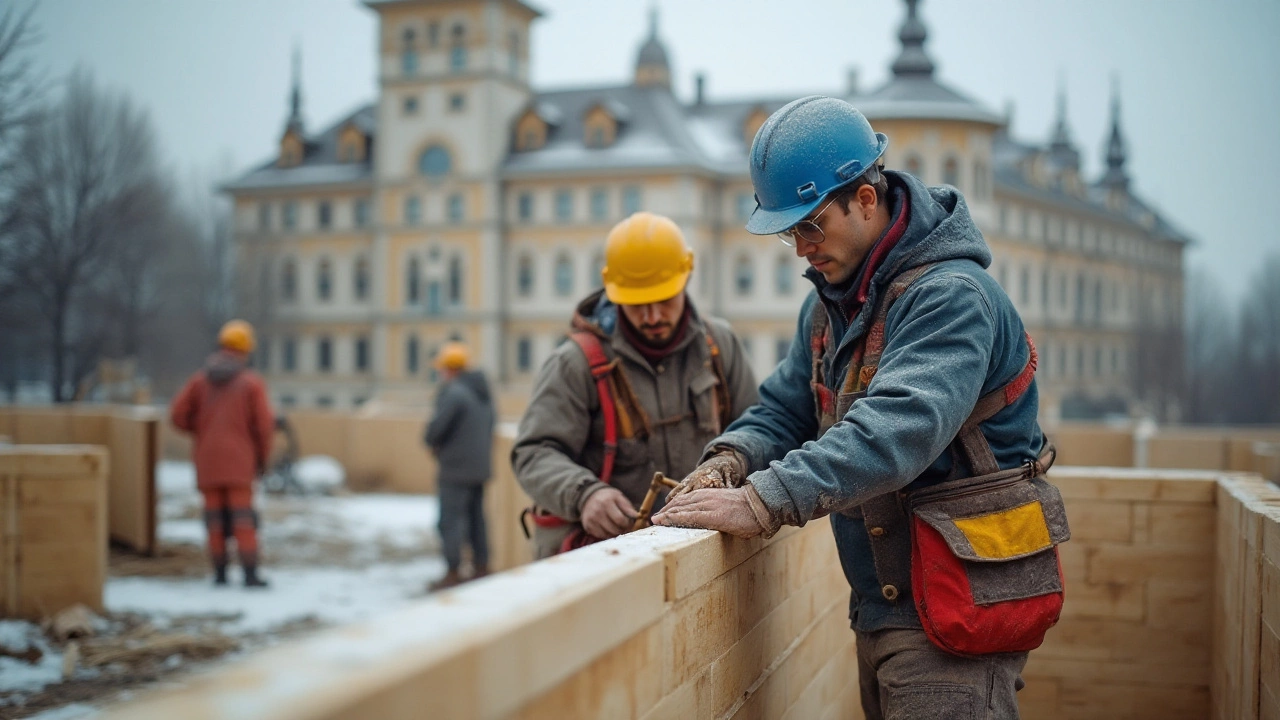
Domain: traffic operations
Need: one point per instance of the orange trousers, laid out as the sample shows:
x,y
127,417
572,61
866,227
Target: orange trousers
x,y
229,512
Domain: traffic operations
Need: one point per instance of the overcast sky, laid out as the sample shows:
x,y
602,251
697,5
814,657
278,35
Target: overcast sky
x,y
1199,81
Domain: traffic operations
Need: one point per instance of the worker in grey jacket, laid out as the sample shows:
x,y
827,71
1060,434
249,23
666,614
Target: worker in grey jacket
x,y
674,378
461,436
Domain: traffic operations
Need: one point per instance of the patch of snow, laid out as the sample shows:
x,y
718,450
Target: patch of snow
x,y
74,711
319,473
176,478
19,676
331,595
181,532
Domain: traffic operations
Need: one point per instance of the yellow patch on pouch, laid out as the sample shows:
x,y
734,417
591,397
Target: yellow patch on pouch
x,y
1009,533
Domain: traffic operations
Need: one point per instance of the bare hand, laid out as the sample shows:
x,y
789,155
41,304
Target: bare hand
x,y
722,470
607,513
724,509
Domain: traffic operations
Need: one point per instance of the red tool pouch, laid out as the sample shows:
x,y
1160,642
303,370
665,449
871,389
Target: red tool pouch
x,y
984,563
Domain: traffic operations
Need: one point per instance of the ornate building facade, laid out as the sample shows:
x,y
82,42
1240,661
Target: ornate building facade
x,y
465,204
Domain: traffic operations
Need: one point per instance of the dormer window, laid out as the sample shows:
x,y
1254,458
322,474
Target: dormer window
x,y
751,125
531,132
292,149
599,127
352,144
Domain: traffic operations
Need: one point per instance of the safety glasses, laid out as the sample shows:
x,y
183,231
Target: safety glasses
x,y
806,230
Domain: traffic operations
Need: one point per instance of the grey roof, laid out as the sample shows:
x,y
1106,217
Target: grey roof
x,y
375,4
320,165
919,97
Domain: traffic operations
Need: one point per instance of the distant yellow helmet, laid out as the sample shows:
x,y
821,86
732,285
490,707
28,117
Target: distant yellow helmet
x,y
237,335
646,260
453,356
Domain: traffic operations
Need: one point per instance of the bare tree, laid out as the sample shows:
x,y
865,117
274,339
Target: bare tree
x,y
85,187
1258,374
1210,352
1158,342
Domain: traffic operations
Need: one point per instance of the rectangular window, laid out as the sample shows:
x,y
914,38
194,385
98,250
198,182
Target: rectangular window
x,y
409,62
746,205
412,210
457,208
525,206
324,215
409,105
1025,294
457,102
290,353
631,200
324,401
411,355
264,216
458,59
361,212
362,354
599,204
290,216
287,401
324,355
564,205
524,354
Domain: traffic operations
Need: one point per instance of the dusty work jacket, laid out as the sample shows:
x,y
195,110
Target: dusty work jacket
x,y
461,430
224,407
559,451
952,337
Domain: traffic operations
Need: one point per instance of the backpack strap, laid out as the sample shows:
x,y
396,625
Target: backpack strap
x,y
601,368
725,403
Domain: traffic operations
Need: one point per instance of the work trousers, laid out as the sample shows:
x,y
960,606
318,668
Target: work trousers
x,y
229,512
904,676
462,522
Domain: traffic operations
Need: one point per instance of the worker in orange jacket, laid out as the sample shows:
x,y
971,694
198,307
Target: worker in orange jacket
x,y
224,407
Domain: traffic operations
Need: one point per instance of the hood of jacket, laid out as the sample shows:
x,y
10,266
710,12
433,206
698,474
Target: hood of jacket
x,y
939,228
476,382
222,367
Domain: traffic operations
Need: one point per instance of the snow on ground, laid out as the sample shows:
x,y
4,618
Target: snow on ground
x,y
19,636
74,711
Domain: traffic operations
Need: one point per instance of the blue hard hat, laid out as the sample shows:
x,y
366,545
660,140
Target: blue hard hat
x,y
805,150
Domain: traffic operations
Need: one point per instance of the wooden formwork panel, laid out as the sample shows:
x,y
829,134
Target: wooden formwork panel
x,y
504,500
53,528
1092,445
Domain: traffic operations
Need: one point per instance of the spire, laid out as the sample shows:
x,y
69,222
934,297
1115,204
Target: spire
x,y
1116,177
652,67
295,95
913,61
1060,146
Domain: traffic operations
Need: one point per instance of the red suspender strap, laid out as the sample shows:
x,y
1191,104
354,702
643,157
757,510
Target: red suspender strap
x,y
600,369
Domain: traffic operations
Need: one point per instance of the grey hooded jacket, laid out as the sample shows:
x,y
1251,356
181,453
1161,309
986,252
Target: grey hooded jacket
x,y
461,430
952,337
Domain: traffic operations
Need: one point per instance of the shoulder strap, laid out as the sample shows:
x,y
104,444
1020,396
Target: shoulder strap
x,y
601,367
970,438
723,399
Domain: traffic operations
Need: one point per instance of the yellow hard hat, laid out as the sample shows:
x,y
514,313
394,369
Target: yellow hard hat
x,y
237,335
453,356
645,260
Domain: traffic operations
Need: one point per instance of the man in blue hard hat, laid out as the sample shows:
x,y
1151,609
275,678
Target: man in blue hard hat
x,y
906,410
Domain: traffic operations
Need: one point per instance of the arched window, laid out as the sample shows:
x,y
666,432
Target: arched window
x,y
413,282
289,280
744,275
564,275
524,276
411,355
951,172
360,279
435,161
784,275
914,165
324,280
455,280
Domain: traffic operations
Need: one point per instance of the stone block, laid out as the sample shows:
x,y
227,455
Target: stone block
x,y
1174,604
1135,563
1124,484
1088,700
1041,697
1100,520
1182,524
1113,600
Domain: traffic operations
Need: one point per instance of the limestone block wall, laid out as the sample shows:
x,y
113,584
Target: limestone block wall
x,y
1246,637
662,623
53,528
131,436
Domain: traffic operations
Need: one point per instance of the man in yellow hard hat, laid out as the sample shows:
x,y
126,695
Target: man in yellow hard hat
x,y
224,408
646,383
461,436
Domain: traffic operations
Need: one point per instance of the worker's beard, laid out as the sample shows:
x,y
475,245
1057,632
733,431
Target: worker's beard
x,y
656,335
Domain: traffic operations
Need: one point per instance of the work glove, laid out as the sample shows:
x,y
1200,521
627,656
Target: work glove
x,y
725,469
607,513
736,511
